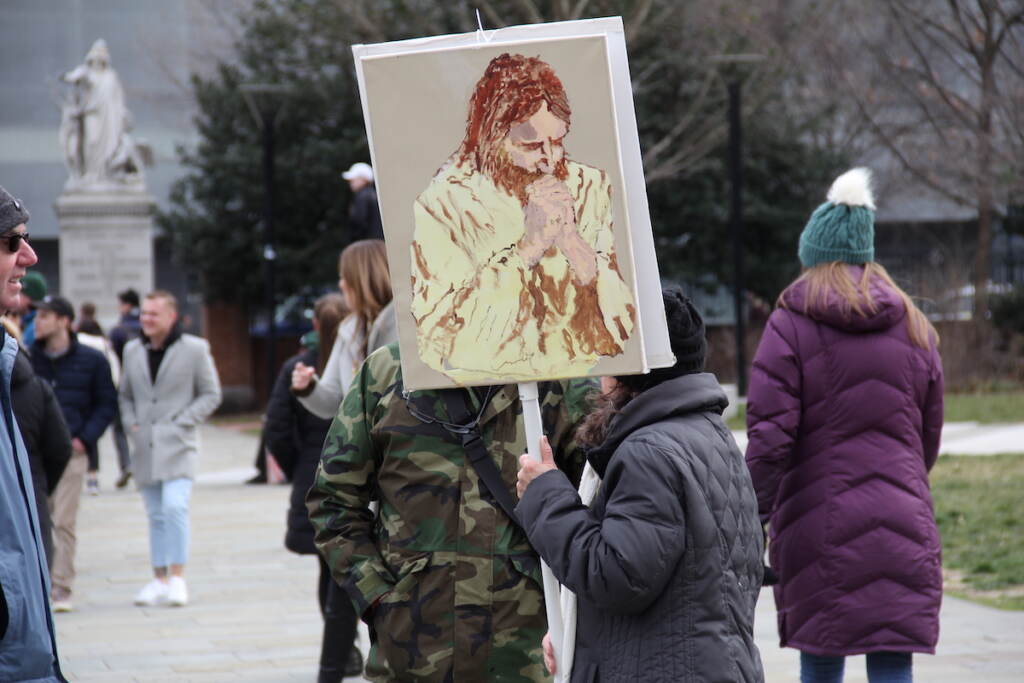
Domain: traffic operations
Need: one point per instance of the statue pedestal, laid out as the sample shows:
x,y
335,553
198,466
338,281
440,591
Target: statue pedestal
x,y
106,246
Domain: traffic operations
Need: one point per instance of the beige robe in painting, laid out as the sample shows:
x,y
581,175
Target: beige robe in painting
x,y
482,315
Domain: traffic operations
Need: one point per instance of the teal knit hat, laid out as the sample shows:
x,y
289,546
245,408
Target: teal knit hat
x,y
843,228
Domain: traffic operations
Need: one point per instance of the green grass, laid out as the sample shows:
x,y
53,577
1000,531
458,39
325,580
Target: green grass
x,y
985,408
990,407
978,505
739,420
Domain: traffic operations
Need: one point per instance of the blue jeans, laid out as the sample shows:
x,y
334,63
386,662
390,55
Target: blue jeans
x,y
883,667
167,509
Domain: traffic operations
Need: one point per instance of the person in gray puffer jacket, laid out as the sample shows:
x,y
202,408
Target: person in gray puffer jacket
x,y
666,562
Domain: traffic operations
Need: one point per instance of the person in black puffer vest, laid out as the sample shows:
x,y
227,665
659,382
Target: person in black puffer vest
x,y
666,561
295,437
47,439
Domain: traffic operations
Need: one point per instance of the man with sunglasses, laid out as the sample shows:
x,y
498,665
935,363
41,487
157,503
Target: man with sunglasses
x,y
28,645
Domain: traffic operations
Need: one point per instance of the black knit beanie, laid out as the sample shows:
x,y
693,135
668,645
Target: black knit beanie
x,y
685,334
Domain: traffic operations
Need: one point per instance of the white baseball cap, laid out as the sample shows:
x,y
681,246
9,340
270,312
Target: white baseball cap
x,y
359,170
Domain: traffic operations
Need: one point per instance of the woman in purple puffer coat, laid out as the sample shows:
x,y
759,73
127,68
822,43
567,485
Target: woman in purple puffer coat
x,y
844,415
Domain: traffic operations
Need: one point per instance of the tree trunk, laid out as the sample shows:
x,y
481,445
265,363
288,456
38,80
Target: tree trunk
x,y
985,187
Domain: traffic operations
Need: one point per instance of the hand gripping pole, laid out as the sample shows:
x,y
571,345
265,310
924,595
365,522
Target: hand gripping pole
x,y
530,400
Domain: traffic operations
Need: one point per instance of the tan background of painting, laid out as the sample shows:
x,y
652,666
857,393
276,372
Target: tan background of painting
x,y
417,107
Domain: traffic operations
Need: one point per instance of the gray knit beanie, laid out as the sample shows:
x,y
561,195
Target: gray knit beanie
x,y
12,212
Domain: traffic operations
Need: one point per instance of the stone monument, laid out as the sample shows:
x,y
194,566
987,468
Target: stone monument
x,y
104,212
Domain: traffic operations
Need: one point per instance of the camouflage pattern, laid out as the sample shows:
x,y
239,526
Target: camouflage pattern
x,y
459,587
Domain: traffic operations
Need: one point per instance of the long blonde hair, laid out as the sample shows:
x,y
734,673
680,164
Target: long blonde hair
x,y
855,298
364,267
329,310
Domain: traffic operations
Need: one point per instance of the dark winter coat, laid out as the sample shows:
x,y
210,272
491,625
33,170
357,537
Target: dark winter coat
x,y
844,418
666,563
364,215
46,437
127,329
81,380
295,437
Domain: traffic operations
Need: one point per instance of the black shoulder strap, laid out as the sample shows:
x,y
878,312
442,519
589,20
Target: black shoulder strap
x,y
459,410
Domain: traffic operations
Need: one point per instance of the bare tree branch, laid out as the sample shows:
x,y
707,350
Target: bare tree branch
x,y
961,41
670,139
533,15
579,9
493,17
369,27
636,18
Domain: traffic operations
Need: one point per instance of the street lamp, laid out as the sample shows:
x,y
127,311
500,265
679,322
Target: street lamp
x,y
733,76
266,101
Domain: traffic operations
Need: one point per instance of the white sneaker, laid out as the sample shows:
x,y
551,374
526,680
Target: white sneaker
x,y
177,593
153,593
60,600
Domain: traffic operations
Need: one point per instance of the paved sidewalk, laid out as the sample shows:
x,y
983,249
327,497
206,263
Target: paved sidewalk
x,y
254,615
962,438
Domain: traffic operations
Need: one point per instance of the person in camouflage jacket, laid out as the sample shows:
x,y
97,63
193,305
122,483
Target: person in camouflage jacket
x,y
447,582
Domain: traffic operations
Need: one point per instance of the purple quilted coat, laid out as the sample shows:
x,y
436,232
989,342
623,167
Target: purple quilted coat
x,y
844,418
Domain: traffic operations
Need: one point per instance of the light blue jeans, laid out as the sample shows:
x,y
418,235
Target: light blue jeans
x,y
167,509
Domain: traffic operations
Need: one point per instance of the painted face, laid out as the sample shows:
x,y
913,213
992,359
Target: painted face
x,y
157,317
12,269
535,145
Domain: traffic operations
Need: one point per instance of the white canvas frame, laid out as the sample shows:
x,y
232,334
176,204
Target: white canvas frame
x,y
647,282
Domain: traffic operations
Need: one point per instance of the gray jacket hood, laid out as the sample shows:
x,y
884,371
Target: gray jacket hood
x,y
696,393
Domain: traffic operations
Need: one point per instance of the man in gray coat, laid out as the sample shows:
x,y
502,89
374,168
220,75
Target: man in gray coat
x,y
169,385
28,646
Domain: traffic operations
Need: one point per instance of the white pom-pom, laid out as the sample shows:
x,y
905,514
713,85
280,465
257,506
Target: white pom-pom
x,y
853,188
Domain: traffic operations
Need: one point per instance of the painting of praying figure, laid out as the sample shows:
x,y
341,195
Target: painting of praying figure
x,y
514,269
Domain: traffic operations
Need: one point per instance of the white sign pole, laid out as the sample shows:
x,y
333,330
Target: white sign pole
x,y
530,399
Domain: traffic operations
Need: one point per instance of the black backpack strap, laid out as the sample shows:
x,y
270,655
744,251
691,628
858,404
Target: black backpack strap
x,y
459,410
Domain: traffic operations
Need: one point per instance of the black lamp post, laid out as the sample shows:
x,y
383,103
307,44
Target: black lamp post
x,y
266,101
734,84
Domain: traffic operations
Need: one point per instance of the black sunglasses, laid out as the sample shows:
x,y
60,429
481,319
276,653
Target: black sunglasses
x,y
14,240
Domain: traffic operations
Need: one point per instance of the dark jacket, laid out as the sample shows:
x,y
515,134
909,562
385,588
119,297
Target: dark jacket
x,y
46,437
28,647
295,436
364,215
844,418
127,329
666,563
81,380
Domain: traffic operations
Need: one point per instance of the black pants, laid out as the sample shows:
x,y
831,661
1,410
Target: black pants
x,y
120,443
124,461
339,624
93,453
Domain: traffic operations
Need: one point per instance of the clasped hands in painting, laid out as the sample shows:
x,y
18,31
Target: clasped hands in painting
x,y
550,219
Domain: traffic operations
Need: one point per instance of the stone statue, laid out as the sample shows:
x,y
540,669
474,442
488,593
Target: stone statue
x,y
95,126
